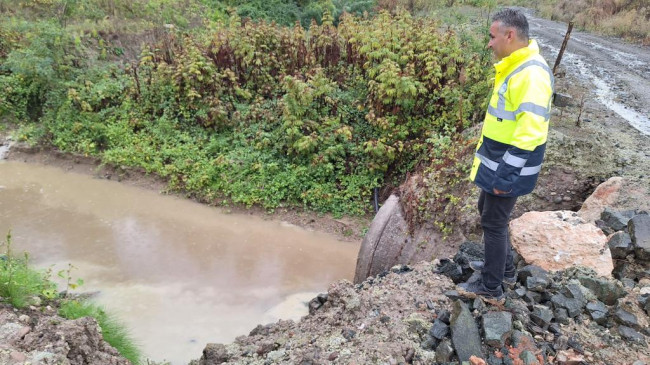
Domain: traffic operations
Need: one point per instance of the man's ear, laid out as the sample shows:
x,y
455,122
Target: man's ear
x,y
511,35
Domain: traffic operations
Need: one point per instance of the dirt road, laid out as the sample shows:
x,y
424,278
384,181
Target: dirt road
x,y
619,72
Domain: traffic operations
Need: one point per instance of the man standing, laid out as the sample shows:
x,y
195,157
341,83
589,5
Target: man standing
x,y
511,148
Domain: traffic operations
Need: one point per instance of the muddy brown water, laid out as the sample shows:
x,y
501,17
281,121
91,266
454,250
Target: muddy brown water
x,y
178,273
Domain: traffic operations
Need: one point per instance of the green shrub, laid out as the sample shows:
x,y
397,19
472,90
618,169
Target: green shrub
x,y
19,284
254,112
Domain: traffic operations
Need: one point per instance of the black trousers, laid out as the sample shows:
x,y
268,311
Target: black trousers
x,y
495,213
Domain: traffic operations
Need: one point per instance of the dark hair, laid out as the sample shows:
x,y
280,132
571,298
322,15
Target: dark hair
x,y
515,19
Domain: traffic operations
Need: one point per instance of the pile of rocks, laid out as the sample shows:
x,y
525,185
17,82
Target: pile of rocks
x,y
560,316
413,314
457,269
537,321
385,319
629,243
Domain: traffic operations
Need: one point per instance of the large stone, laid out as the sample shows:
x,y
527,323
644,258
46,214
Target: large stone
x,y
574,290
439,329
519,310
214,353
639,228
644,302
626,318
557,240
478,304
531,271
532,297
464,332
614,219
496,327
444,315
537,283
597,306
629,313
599,317
561,315
522,340
617,193
572,306
620,245
444,352
630,334
598,311
452,270
542,316
607,291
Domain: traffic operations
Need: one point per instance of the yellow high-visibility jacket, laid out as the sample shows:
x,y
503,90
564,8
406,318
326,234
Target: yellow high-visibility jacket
x,y
511,148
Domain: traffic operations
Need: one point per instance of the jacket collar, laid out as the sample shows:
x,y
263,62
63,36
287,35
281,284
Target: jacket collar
x,y
517,56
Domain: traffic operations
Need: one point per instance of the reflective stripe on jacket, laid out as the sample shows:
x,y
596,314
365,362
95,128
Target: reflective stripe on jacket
x,y
511,148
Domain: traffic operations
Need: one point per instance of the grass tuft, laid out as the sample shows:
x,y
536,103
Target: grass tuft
x,y
112,330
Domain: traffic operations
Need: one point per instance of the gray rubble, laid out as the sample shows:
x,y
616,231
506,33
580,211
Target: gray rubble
x,y
415,314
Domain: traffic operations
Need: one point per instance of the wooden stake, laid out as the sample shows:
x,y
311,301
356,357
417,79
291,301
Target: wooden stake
x,y
566,40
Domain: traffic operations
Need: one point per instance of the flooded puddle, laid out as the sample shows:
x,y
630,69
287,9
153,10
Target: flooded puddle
x,y
178,273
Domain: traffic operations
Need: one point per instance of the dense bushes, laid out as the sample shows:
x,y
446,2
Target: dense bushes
x,y
253,112
184,14
288,12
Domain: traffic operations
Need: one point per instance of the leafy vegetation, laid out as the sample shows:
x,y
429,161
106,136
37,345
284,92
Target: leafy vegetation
x,y
133,14
289,12
251,112
20,285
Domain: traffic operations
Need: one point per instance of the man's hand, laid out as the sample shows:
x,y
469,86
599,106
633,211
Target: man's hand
x,y
499,192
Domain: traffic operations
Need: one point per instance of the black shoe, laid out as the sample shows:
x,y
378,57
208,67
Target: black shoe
x,y
478,288
510,281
